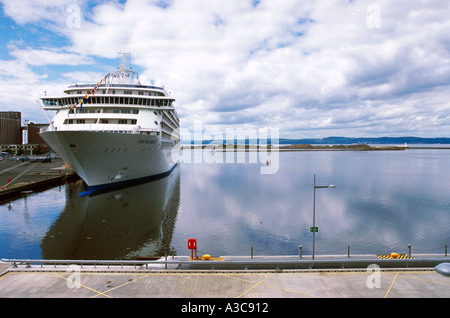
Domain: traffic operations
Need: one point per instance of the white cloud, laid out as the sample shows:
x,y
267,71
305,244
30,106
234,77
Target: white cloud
x,y
17,71
48,57
20,88
312,68
32,11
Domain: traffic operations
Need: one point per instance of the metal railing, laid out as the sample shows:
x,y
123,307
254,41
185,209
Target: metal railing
x,y
28,262
241,263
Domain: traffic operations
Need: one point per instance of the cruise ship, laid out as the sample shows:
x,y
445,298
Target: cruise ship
x,y
116,131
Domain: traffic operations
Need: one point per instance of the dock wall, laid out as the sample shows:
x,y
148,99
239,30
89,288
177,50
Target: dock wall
x,y
277,263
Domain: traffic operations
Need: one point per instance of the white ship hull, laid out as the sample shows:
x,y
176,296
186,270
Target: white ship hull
x,y
105,159
115,132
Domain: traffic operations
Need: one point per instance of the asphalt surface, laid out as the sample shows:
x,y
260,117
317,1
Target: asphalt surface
x,y
18,177
29,171
159,280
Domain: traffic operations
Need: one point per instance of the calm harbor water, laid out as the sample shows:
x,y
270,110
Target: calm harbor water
x,y
383,201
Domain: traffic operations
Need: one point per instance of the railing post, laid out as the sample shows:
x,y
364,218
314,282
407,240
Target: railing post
x,y
251,252
300,251
348,251
409,250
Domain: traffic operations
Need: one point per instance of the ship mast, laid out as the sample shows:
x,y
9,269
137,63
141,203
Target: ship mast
x,y
125,57
125,75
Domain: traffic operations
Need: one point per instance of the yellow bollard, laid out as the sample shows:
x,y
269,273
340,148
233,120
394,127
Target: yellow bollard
x,y
206,257
395,255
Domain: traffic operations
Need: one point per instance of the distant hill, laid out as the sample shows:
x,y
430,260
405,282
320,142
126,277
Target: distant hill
x,y
346,141
365,140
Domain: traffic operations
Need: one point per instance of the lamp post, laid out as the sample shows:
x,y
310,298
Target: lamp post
x,y
314,229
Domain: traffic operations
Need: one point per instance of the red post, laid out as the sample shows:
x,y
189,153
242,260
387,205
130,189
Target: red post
x,y
192,245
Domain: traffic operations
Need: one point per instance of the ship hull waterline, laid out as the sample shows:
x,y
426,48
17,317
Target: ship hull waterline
x,y
105,160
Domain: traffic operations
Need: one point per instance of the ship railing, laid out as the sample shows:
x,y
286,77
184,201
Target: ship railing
x,y
47,128
120,129
117,86
242,263
15,263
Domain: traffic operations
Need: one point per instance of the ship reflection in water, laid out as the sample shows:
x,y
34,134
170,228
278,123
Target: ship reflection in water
x,y
129,223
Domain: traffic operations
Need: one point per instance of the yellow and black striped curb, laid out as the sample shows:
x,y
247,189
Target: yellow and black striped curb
x,y
395,256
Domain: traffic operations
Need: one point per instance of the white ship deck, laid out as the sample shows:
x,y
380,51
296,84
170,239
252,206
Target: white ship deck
x,y
113,131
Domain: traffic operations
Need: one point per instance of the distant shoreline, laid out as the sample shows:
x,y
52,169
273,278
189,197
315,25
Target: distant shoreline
x,y
301,147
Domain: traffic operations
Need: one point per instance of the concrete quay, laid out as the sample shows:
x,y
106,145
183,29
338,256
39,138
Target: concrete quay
x,y
181,278
27,176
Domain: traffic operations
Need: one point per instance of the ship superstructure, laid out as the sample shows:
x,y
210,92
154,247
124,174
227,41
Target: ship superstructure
x,y
114,131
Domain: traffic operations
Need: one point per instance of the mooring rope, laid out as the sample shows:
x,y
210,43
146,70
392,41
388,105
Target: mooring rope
x,y
27,170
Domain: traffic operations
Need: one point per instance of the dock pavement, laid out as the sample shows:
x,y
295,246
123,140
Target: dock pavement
x,y
18,177
229,278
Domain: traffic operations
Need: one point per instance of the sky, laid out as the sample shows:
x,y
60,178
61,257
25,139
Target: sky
x,y
310,69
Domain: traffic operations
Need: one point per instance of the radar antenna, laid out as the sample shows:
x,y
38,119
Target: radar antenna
x,y
125,57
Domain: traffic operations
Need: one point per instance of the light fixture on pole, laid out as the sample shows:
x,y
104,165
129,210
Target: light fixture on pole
x,y
315,229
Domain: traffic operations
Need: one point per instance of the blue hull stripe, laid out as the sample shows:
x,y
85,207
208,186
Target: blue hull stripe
x,y
113,186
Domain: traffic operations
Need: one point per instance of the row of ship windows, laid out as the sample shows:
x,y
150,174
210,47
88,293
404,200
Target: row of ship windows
x,y
167,116
100,110
110,121
113,91
144,133
110,100
101,121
